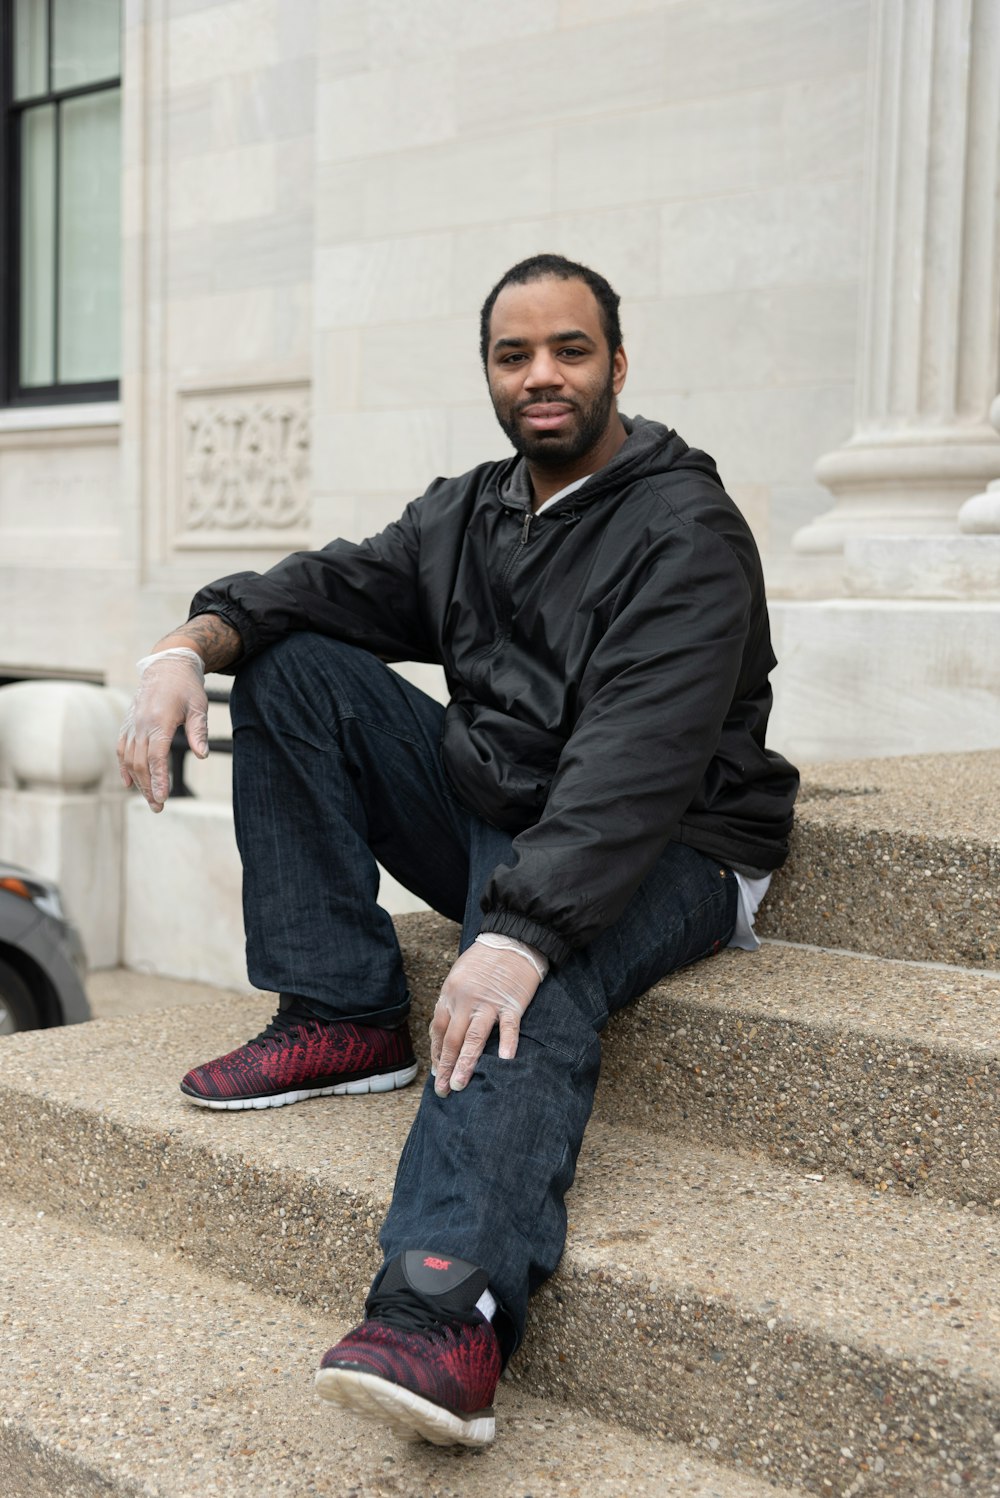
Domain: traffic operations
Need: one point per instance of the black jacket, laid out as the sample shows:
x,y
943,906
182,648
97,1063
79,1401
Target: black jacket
x,y
607,663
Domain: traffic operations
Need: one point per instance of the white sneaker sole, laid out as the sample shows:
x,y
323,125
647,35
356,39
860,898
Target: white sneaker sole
x,y
407,1413
386,1082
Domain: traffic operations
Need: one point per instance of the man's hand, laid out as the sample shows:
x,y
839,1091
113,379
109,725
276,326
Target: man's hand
x,y
486,986
171,692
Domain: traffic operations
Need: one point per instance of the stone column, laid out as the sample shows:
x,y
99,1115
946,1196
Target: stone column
x,y
929,341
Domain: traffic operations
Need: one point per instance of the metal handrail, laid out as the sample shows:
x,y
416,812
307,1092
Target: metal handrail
x,y
179,751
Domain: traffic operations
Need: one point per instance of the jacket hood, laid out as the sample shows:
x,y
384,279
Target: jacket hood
x,y
649,448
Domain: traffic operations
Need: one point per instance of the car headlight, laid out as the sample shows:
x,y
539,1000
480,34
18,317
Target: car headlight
x,y
43,897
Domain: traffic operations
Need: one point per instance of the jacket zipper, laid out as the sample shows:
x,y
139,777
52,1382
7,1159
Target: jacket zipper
x,y
503,599
509,566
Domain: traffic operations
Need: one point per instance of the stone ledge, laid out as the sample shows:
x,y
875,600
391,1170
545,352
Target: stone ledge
x,y
888,1073
703,1294
31,1467
961,567
898,858
877,677
885,1070
184,1384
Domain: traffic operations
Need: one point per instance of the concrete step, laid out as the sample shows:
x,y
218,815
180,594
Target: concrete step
x,y
896,857
125,1372
887,1070
823,1333
881,1069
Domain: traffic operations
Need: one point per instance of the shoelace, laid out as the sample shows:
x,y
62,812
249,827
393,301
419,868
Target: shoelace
x,y
407,1310
285,1022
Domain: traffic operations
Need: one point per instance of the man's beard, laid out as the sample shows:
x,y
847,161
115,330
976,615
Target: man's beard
x,y
559,449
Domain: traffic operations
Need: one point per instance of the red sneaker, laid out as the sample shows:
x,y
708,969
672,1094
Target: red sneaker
x,y
425,1361
298,1057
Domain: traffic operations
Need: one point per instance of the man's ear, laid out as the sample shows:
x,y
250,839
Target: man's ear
x,y
619,369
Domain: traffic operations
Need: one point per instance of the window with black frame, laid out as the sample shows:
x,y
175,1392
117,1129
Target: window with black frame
x,y
60,141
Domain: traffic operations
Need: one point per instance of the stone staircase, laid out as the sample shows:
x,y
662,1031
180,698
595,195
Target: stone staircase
x,y
783,1265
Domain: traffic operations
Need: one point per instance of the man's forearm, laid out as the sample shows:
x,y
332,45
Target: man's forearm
x,y
217,642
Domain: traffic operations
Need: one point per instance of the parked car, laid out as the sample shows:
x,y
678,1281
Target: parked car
x,y
42,961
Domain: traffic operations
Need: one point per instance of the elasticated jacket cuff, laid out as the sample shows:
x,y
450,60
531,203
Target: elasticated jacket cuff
x,y
522,928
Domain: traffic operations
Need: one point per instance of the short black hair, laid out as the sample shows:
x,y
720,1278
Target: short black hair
x,y
538,268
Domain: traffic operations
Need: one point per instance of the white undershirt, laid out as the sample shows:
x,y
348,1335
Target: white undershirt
x,y
562,493
752,891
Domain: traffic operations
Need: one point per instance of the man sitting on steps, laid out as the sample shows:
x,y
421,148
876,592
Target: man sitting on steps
x,y
595,805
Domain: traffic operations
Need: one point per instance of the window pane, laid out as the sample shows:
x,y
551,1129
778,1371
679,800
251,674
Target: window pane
x,y
38,201
31,38
85,41
89,216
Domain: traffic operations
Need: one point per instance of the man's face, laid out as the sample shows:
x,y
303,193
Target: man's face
x,y
552,378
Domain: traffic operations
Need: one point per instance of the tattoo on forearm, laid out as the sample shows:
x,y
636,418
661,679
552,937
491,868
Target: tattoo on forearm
x,y
217,642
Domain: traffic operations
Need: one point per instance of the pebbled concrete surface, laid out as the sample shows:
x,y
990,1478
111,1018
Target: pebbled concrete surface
x,y
801,1326
31,1469
141,1377
887,1070
849,1309
884,1070
840,1336
895,857
118,990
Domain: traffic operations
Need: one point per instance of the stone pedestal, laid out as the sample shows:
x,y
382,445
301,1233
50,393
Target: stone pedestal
x,y
183,909
62,800
980,515
929,342
956,567
962,565
864,678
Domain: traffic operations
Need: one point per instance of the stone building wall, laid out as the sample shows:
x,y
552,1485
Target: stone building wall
x,y
797,201
706,157
316,197
219,180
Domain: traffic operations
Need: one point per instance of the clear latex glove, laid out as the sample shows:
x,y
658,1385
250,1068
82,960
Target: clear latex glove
x,y
171,692
484,988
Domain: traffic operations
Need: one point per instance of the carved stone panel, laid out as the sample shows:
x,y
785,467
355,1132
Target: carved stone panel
x,y
243,467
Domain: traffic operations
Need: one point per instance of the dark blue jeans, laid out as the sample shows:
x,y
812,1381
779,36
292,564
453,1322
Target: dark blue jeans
x,y
337,764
